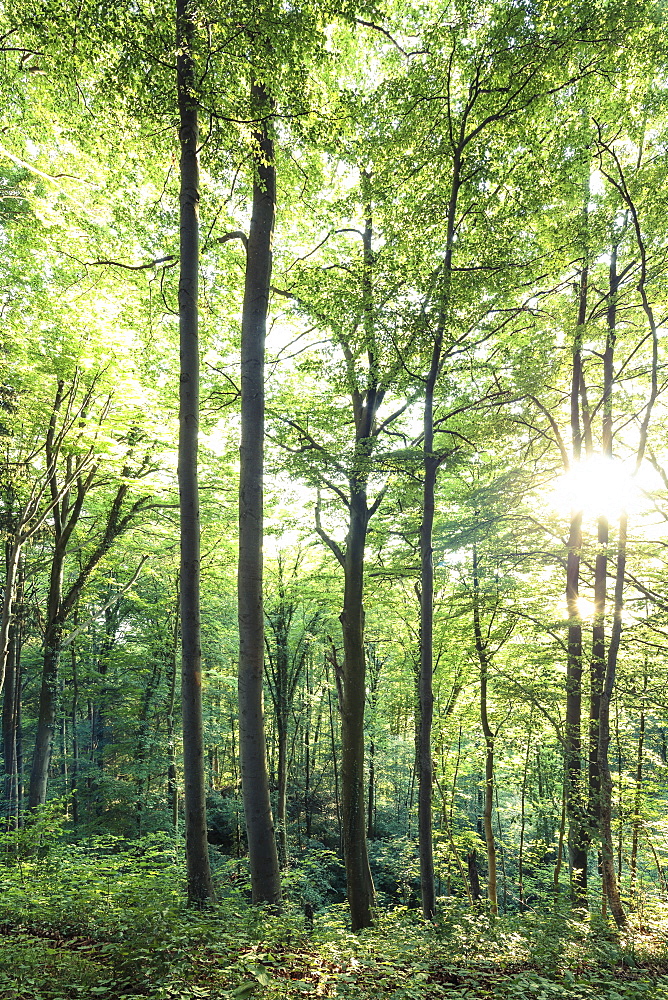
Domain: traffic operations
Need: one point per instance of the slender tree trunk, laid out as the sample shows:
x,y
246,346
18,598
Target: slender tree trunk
x,y
9,730
488,802
337,799
597,670
39,775
637,798
430,464
75,735
371,800
598,657
361,893
12,564
578,840
172,784
610,883
620,793
282,791
100,734
426,776
11,704
560,844
279,684
265,878
200,886
501,850
520,861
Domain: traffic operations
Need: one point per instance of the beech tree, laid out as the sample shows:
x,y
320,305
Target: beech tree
x,y
200,886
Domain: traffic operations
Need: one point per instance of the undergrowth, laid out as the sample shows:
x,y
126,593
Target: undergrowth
x,y
107,919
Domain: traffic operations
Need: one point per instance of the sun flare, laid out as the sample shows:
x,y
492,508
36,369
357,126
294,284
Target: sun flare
x,y
601,486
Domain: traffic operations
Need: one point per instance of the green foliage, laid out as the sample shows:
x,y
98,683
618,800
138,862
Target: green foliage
x,y
108,919
314,876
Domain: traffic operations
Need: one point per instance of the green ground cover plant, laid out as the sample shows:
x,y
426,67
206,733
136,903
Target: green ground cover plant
x,y
109,919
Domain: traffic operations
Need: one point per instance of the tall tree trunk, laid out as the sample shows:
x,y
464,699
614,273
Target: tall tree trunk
x,y
520,860
337,800
371,797
598,656
9,730
361,893
39,774
12,564
637,797
578,840
488,801
430,462
282,791
265,878
74,716
611,887
426,776
172,785
200,886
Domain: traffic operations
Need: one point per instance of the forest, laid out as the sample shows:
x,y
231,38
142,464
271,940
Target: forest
x,y
334,499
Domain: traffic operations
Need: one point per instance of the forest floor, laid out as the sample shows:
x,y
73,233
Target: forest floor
x,y
80,922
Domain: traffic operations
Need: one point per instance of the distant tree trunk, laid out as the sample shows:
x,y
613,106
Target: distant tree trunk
x,y
578,840
474,877
143,753
598,656
67,505
371,799
172,784
39,775
637,797
488,801
282,792
285,661
200,886
99,733
610,883
560,844
263,855
308,795
578,837
502,852
523,792
374,667
12,573
12,693
336,768
75,735
65,518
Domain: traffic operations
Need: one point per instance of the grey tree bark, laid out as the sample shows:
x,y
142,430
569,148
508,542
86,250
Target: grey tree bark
x,y
263,855
578,839
200,886
488,798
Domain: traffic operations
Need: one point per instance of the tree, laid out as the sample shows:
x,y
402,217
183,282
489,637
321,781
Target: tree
x,y
255,782
200,886
288,647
